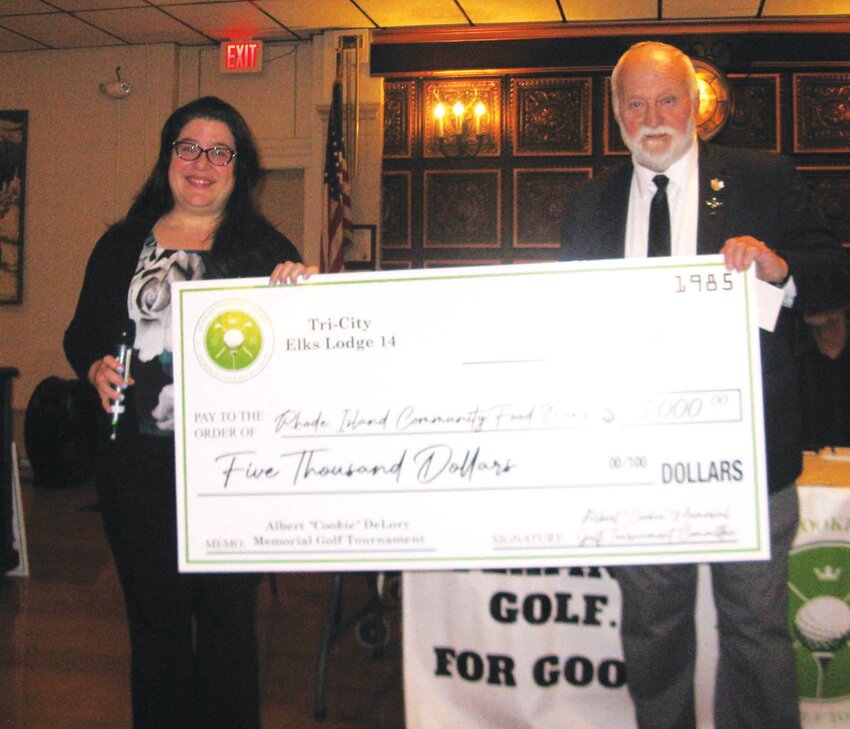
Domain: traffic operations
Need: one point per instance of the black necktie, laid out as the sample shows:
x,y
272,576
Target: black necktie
x,y
659,219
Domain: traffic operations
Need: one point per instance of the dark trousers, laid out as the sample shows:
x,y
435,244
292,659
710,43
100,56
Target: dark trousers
x,y
192,636
756,674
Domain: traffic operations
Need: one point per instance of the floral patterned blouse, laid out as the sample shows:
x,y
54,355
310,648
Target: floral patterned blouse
x,y
149,305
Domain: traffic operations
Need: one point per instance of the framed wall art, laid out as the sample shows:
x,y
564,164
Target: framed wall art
x,y
13,146
362,256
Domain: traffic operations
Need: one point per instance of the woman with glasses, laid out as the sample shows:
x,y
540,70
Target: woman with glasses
x,y
193,642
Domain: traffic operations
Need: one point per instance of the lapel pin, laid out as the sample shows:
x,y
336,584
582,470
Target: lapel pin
x,y
714,202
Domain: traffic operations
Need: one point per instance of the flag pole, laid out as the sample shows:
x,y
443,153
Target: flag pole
x,y
337,185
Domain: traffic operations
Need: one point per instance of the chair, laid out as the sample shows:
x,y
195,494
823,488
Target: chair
x,y
369,624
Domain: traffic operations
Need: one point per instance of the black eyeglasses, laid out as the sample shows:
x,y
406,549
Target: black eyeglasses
x,y
190,151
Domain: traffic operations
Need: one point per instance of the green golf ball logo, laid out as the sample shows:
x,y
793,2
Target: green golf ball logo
x,y
234,340
819,617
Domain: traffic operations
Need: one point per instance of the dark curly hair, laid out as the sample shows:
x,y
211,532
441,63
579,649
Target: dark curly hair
x,y
240,216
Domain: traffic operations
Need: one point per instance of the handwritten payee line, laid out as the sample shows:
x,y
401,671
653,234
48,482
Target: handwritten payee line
x,y
393,434
488,431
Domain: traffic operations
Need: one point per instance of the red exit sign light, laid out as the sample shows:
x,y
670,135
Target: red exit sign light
x,y
241,57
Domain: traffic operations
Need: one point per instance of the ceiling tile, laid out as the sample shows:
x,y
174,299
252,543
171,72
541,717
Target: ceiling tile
x,y
606,10
80,5
57,23
228,21
59,30
679,9
298,15
805,7
14,42
169,3
482,12
143,25
413,13
18,7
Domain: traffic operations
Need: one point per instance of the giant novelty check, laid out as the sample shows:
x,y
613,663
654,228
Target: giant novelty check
x,y
511,416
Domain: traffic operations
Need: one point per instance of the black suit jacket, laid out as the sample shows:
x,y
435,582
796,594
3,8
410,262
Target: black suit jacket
x,y
763,196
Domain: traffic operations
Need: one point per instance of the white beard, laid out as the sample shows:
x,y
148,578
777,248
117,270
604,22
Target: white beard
x,y
680,144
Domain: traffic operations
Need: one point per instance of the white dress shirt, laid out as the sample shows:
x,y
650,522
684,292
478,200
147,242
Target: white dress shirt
x,y
682,198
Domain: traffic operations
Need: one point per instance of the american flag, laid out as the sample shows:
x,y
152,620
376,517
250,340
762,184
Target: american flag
x,y
338,236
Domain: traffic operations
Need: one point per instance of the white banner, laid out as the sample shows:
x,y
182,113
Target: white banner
x,y
529,649
546,414
819,615
555,636
484,650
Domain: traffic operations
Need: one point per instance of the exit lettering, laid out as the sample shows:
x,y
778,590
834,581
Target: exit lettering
x,y
242,56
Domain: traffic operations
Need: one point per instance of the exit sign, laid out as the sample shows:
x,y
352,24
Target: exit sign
x,y
241,57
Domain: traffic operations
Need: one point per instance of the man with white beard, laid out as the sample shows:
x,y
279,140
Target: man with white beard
x,y
680,197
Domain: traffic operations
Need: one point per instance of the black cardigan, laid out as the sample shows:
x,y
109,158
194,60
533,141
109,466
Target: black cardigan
x,y
101,314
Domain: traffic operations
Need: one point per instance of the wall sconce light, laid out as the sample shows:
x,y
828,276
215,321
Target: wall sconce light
x,y
116,89
715,99
463,119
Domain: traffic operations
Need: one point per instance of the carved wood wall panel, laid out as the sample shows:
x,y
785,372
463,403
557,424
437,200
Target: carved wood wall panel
x,y
550,256
822,112
539,204
830,188
456,262
399,110
551,116
755,118
548,132
395,210
462,209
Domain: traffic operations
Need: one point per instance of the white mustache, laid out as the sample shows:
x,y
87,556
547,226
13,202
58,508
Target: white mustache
x,y
645,132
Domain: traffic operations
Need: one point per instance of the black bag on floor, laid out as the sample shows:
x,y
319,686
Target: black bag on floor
x,y
60,431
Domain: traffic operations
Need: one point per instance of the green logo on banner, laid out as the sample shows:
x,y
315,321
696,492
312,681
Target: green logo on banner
x,y
819,617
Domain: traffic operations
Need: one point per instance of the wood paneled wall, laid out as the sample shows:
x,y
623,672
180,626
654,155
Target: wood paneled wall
x,y
549,127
